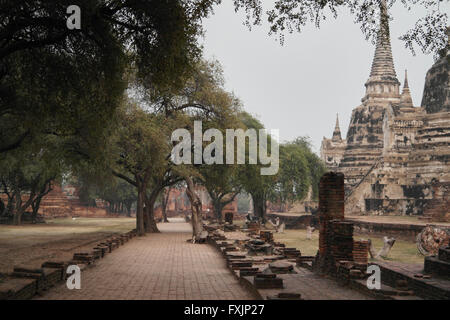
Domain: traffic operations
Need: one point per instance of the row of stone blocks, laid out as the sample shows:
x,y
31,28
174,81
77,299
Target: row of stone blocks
x,y
242,264
24,283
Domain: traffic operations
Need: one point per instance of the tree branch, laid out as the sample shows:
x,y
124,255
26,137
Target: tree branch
x,y
15,144
121,176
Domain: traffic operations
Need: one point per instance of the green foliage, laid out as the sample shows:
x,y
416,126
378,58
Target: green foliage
x,y
118,193
316,167
28,175
293,179
140,145
258,186
222,183
300,169
68,83
428,33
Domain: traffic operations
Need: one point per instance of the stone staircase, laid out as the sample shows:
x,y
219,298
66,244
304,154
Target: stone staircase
x,y
363,179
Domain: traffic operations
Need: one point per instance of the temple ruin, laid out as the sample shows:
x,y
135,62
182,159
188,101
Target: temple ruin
x,y
395,157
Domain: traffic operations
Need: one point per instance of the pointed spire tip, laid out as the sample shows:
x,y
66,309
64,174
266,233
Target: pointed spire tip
x,y
406,79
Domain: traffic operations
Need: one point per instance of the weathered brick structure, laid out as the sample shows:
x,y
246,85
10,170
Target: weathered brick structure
x,y
336,244
64,202
331,210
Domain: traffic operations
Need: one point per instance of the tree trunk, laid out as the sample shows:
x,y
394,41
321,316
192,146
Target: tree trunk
x,y
218,207
10,206
140,211
165,201
35,206
128,205
196,205
18,209
18,217
151,225
259,208
36,203
8,210
164,213
150,200
2,207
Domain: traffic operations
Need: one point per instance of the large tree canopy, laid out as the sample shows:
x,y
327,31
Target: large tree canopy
x,y
140,146
68,83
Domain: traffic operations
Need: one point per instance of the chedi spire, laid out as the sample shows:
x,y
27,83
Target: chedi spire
x,y
383,80
337,131
406,94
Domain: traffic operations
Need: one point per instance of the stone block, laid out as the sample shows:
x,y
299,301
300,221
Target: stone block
x,y
263,282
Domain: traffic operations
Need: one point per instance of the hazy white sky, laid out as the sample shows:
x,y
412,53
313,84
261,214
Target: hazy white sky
x,y
298,88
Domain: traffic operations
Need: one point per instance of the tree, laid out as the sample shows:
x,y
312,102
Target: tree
x,y
45,188
85,180
222,183
258,186
26,177
316,167
221,180
196,206
201,98
167,177
139,150
67,83
164,202
119,194
141,146
293,179
428,33
300,171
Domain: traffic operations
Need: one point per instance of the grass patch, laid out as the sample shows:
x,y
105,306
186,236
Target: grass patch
x,y
402,251
60,228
